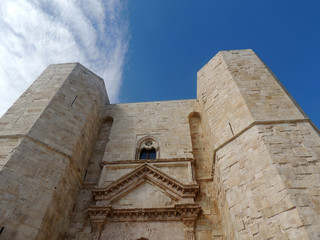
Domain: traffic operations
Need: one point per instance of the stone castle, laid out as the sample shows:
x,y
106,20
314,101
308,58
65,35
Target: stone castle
x,y
242,161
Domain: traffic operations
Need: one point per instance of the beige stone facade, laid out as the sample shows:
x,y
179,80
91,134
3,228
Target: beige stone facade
x,y
242,161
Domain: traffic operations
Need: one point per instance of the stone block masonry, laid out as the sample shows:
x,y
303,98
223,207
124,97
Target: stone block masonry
x,y
242,161
266,152
46,140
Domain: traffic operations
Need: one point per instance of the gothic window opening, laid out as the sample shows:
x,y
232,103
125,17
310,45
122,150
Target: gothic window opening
x,y
148,154
147,148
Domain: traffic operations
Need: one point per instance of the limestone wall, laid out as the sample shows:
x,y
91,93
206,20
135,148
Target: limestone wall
x,y
170,123
47,138
179,131
235,89
256,157
93,171
295,152
270,177
263,151
167,121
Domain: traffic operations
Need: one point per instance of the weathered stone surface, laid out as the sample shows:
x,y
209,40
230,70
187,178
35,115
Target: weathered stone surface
x,y
47,139
265,150
241,161
167,121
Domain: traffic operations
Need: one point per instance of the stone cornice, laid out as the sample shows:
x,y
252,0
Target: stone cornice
x,y
141,174
141,161
180,212
255,123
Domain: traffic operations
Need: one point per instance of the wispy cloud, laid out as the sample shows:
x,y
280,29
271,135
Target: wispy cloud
x,y
35,33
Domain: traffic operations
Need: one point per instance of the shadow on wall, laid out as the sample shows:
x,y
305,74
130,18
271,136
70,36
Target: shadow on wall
x,y
203,168
92,174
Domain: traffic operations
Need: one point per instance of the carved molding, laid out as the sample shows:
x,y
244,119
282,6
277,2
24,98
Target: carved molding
x,y
102,212
147,161
143,173
189,222
180,212
98,219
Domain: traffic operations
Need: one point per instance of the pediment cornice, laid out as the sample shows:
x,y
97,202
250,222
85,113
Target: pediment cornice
x,y
143,173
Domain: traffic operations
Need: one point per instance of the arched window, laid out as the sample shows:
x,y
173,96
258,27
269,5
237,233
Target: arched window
x,y
147,148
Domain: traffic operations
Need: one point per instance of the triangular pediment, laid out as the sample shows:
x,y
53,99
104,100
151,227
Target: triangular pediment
x,y
147,195
125,184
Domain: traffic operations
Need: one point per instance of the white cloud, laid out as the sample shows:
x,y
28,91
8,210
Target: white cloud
x,y
35,33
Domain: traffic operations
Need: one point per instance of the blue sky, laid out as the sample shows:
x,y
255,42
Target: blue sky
x,y
150,50
36,33
171,40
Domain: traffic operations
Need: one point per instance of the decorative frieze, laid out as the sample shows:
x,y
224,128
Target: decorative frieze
x,y
183,212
